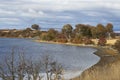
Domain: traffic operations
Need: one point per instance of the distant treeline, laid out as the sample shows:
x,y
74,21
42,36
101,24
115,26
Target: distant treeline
x,y
82,33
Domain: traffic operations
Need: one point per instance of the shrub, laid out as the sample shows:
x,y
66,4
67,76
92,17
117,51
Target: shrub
x,y
76,41
117,45
43,36
102,41
88,41
62,40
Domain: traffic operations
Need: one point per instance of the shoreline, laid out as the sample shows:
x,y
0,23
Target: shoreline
x,y
106,54
69,44
106,58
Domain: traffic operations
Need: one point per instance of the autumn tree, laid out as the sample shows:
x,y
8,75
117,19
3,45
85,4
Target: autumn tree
x,y
67,31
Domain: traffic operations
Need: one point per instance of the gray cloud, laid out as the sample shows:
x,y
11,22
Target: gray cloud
x,y
56,13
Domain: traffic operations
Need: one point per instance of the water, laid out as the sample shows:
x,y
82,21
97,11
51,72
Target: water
x,y
75,59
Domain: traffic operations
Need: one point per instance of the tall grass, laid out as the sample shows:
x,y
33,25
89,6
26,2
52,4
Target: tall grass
x,y
107,69
108,72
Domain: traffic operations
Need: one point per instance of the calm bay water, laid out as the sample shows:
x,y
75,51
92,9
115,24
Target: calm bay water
x,y
72,57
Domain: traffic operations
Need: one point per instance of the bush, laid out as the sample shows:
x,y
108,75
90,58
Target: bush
x,y
44,36
88,41
62,40
102,41
117,45
76,41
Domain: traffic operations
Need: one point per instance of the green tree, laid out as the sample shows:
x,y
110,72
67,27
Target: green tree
x,y
35,27
83,30
94,32
109,28
101,31
52,34
67,31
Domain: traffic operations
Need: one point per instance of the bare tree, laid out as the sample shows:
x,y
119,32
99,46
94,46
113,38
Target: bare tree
x,y
33,70
21,66
56,71
52,68
2,73
13,68
10,64
18,67
46,61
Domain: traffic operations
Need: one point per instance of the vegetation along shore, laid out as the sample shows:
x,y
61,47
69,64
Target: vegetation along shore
x,y
100,37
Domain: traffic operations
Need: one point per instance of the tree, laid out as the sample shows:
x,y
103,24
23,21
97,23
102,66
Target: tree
x,y
33,70
56,71
35,27
52,69
67,31
101,31
109,28
17,67
83,30
52,34
94,32
46,61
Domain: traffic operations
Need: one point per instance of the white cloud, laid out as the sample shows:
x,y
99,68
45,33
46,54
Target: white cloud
x,y
31,13
62,5
6,12
26,10
64,17
10,21
94,13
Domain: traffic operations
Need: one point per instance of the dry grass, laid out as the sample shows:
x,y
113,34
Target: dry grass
x,y
109,41
106,72
108,68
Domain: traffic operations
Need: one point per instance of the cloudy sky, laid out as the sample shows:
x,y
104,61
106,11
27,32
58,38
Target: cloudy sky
x,y
56,13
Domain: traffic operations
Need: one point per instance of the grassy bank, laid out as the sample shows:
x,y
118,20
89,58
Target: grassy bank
x,y
71,44
108,68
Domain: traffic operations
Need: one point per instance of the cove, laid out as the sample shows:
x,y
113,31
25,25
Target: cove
x,y
75,59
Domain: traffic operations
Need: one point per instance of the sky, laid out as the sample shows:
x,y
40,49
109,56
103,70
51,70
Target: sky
x,y
20,14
